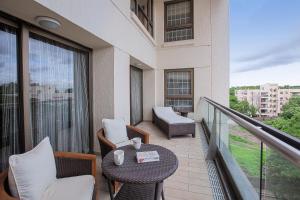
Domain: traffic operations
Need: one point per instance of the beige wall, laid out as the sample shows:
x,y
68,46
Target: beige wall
x,y
220,51
108,20
148,93
103,84
111,87
117,37
121,85
207,53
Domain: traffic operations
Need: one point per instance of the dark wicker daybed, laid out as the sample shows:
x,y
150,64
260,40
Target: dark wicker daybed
x,y
173,129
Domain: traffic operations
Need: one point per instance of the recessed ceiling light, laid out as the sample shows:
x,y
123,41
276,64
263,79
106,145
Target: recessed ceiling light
x,y
47,22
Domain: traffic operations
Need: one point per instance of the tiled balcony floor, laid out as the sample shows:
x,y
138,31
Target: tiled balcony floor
x,y
190,181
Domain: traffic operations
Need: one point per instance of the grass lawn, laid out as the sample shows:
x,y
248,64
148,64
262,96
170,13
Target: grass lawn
x,y
247,154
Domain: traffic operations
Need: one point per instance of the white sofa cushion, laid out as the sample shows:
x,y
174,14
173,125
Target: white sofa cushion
x,y
115,130
168,115
12,184
71,188
33,171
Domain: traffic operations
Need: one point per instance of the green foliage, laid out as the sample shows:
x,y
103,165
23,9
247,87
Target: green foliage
x,y
289,120
250,87
247,154
290,87
285,179
241,106
283,176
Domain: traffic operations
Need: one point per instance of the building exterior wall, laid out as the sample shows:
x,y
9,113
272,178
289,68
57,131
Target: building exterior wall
x,y
269,99
207,53
121,85
108,20
117,39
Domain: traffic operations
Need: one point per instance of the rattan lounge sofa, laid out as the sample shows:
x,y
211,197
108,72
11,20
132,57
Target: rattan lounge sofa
x,y
67,165
171,123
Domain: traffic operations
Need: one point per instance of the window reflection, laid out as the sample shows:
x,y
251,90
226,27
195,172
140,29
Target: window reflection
x,y
9,95
58,89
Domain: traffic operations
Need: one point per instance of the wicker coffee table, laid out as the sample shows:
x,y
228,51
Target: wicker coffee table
x,y
140,181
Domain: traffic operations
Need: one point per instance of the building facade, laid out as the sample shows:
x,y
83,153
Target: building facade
x,y
116,59
269,99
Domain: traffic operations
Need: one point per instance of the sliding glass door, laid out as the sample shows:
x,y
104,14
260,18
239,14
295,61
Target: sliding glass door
x,y
43,91
9,95
58,94
136,95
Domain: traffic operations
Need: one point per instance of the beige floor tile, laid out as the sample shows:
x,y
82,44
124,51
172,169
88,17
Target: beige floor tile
x,y
190,181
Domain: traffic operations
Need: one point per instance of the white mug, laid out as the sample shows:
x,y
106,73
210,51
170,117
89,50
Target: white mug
x,y
136,142
119,157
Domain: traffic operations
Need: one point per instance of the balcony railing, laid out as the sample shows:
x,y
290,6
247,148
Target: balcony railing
x,y
144,17
255,161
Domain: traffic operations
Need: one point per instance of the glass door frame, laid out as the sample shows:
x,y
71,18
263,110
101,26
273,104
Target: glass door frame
x,y
142,88
23,30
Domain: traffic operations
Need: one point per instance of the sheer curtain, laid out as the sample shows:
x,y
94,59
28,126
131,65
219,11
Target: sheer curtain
x,y
59,98
9,95
136,95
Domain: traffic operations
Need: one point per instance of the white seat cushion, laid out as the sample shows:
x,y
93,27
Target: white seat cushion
x,y
115,130
168,115
72,188
33,171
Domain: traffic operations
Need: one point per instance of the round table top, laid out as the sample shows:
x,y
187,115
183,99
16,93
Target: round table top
x,y
133,172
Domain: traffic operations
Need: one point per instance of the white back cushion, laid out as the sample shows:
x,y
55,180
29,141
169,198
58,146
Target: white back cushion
x,y
33,171
115,130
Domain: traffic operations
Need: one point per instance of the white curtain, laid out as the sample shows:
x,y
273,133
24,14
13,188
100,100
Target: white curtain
x,y
136,92
59,98
9,95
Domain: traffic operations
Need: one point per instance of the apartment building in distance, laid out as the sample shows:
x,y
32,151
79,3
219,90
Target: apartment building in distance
x,y
269,98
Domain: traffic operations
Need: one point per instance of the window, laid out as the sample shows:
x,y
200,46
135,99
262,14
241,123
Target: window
x,y
9,95
179,20
179,89
58,94
46,96
144,11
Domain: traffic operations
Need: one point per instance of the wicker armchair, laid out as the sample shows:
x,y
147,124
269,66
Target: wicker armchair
x,y
106,145
67,164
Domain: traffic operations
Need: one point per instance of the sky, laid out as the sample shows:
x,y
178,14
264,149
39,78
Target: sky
x,y
264,42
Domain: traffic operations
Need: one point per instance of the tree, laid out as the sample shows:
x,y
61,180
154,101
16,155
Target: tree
x,y
289,119
241,106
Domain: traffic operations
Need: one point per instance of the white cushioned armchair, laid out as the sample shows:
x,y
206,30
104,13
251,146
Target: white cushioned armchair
x,y
75,179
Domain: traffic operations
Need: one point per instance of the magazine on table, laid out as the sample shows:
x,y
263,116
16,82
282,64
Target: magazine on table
x,y
147,156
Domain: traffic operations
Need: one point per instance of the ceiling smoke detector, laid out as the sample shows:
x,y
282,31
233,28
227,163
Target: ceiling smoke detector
x,y
48,22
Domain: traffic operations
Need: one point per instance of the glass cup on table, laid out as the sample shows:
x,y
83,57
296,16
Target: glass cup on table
x,y
118,157
136,142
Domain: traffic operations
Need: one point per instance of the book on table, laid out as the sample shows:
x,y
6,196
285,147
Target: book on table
x,y
147,156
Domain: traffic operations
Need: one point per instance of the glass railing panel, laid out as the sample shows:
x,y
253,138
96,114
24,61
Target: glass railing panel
x,y
241,152
203,110
211,114
280,176
256,170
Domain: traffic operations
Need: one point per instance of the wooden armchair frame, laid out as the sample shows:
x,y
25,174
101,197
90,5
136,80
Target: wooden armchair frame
x,y
85,164
107,146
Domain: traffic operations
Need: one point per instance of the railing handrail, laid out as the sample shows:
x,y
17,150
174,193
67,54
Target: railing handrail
x,y
287,150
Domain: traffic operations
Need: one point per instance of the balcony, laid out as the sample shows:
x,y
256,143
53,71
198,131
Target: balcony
x,y
143,9
191,180
252,159
259,161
